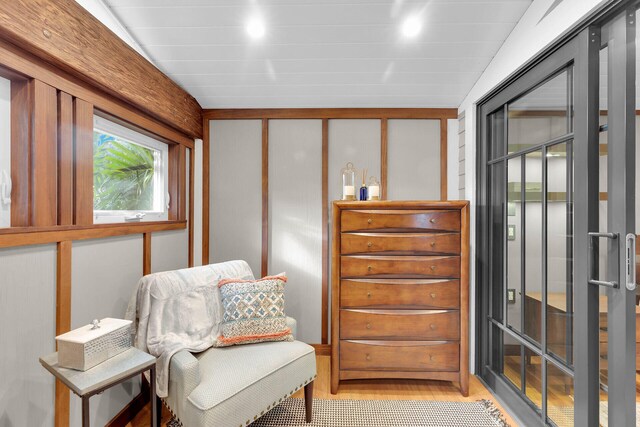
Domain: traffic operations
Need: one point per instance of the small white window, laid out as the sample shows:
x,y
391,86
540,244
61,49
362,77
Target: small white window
x,y
130,175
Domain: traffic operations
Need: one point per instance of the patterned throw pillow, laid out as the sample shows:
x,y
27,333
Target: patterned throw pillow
x,y
253,311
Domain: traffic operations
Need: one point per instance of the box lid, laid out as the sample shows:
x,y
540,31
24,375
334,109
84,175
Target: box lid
x,y
85,334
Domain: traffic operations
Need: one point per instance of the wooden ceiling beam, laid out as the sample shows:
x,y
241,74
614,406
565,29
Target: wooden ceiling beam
x,y
63,33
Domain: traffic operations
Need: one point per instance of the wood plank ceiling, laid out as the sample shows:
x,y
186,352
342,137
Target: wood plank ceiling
x,y
321,53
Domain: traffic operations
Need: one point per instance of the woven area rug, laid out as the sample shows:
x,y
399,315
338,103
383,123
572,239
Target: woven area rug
x,y
384,413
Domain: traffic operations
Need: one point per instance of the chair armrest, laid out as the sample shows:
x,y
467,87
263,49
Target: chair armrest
x,y
291,323
184,374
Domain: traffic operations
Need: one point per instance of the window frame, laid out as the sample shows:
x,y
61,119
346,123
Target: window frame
x,y
161,198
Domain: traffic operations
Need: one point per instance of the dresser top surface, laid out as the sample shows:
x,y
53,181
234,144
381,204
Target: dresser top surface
x,y
402,204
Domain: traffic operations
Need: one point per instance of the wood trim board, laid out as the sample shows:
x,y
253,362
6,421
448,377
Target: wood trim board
x,y
322,349
325,233
190,220
146,254
24,236
44,155
443,159
384,158
63,324
264,265
65,159
206,192
83,161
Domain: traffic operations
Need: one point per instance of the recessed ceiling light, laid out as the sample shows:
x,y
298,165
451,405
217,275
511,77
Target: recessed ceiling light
x,y
255,28
411,26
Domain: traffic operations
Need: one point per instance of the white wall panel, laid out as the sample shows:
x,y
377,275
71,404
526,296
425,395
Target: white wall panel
x,y
197,203
169,250
358,142
104,275
413,154
355,141
236,191
295,218
27,331
453,138
5,145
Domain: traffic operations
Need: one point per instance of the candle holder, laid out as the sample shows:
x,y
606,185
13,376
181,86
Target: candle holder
x,y
349,182
374,189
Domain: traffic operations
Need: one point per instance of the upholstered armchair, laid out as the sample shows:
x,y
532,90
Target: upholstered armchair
x,y
234,386
227,386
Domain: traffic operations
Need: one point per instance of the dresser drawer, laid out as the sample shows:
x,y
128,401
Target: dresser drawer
x,y
399,355
400,266
400,243
400,293
400,324
400,220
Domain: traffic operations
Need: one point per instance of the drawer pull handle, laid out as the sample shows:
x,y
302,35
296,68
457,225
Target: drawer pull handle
x,y
431,358
369,268
368,357
368,325
433,295
433,244
433,326
369,221
369,244
368,294
433,268
432,220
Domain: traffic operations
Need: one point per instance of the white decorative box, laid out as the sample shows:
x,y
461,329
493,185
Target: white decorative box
x,y
85,347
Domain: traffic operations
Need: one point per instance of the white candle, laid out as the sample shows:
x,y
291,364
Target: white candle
x,y
348,190
374,191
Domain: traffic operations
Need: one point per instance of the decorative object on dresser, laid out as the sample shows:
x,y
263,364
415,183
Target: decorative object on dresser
x,y
349,182
400,291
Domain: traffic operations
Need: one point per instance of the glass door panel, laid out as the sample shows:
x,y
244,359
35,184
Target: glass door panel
x,y
514,244
559,227
531,211
560,405
533,241
540,115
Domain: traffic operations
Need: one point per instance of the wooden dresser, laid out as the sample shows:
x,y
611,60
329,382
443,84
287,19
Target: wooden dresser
x,y
400,291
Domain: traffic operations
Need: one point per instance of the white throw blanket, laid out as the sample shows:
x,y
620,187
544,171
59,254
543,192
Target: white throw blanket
x,y
179,310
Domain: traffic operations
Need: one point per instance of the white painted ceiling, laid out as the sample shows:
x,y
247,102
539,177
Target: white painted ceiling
x,y
321,53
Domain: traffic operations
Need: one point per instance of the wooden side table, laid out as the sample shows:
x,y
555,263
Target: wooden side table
x,y
113,371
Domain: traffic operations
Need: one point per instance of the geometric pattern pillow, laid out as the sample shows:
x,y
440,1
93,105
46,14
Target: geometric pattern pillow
x,y
253,311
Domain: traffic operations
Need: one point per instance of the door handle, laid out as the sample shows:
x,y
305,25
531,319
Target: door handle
x,y
631,262
592,261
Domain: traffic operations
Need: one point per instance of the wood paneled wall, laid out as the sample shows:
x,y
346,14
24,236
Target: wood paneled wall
x,y
325,115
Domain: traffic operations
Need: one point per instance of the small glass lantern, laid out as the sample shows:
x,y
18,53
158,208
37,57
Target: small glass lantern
x,y
374,189
349,182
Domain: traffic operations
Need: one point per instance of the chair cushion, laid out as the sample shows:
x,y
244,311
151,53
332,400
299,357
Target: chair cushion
x,y
228,372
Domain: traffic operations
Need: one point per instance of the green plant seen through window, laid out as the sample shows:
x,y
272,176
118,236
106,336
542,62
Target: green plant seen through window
x,y
122,174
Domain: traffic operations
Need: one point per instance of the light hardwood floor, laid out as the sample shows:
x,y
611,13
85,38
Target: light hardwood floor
x,y
375,390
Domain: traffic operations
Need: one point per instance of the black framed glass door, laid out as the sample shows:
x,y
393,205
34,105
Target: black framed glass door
x,y
613,255
557,315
